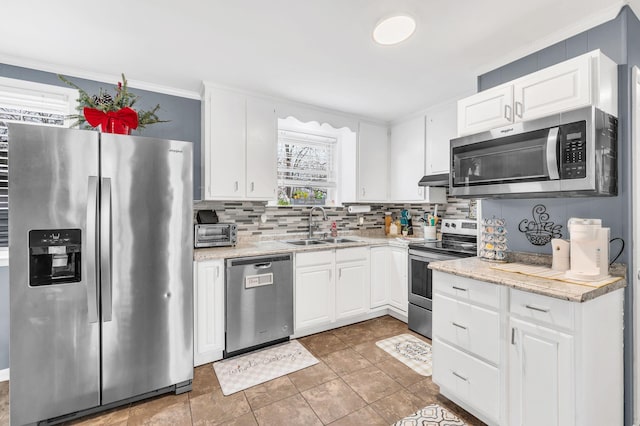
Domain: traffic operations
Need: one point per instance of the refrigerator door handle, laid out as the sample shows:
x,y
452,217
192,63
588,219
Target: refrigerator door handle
x,y
105,248
92,260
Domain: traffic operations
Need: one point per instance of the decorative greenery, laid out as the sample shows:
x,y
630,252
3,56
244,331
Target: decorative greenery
x,y
104,102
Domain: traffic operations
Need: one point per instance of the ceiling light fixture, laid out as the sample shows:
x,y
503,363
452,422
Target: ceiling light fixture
x,y
394,30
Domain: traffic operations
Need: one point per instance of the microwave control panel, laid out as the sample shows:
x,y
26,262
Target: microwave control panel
x,y
573,150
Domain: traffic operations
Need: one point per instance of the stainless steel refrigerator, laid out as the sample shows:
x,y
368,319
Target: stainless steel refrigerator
x,y
101,264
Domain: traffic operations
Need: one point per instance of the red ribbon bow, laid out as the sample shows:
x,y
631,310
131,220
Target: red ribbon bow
x,y
112,121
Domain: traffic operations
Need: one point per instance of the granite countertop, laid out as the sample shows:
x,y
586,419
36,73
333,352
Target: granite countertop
x,y
473,267
267,247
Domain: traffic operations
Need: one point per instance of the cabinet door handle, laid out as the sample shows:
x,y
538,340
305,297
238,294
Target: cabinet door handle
x,y
252,186
217,272
459,376
363,192
535,308
235,186
459,288
519,107
513,336
458,325
339,273
507,112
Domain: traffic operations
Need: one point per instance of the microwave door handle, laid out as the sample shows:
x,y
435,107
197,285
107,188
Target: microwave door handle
x,y
552,153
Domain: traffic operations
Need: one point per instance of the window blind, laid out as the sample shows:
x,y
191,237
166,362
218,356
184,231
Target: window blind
x,y
306,160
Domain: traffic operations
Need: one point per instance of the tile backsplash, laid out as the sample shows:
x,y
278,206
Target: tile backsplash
x,y
294,221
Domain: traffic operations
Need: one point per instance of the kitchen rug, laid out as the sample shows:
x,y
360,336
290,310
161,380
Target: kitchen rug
x,y
413,352
431,415
242,372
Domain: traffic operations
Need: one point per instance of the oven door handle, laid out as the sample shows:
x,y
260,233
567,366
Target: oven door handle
x,y
552,153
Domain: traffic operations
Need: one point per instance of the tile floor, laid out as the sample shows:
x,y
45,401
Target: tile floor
x,y
355,383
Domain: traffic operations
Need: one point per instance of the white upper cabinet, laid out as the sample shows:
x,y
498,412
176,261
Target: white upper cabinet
x,y
262,154
485,110
589,79
373,162
407,160
239,146
441,128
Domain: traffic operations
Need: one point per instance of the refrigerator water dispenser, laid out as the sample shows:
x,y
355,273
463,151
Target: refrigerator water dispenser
x,y
54,256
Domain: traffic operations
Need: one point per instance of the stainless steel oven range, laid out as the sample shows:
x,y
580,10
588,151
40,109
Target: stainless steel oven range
x,y
459,239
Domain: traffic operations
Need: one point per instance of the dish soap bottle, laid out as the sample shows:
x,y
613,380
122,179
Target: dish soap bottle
x,y
387,222
334,229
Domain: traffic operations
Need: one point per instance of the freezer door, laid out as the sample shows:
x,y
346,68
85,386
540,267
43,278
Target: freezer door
x,y
146,264
53,177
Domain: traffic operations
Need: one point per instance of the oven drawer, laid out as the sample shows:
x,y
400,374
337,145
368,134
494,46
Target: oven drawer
x,y
466,289
467,378
470,327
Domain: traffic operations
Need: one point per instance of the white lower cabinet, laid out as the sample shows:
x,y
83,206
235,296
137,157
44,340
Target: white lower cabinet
x,y
330,285
379,276
208,296
541,375
516,358
389,278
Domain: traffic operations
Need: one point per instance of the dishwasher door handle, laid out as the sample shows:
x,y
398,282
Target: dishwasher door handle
x,y
262,265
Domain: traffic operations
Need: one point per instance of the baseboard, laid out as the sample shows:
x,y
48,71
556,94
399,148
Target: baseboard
x,y
4,375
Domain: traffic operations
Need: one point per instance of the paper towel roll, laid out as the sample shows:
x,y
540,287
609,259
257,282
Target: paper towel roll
x,y
359,209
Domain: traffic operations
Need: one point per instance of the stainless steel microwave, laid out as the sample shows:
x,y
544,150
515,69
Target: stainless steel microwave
x,y
215,235
568,154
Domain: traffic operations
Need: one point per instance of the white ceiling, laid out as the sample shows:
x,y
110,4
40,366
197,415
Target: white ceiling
x,y
313,51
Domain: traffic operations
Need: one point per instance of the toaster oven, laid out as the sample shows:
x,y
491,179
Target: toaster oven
x,y
215,235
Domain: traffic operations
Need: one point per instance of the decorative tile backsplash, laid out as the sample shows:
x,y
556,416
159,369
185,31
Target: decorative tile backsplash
x,y
294,221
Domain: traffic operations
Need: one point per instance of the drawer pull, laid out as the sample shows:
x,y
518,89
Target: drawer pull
x,y
535,308
459,376
459,288
459,326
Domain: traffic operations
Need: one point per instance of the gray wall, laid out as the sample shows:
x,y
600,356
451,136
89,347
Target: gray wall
x,y
612,39
184,116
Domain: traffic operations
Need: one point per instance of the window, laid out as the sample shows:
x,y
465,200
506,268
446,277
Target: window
x,y
27,102
306,168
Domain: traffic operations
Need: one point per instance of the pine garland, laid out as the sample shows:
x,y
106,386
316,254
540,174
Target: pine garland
x,y
104,102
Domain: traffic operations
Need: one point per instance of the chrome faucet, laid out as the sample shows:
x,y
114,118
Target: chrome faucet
x,y
312,225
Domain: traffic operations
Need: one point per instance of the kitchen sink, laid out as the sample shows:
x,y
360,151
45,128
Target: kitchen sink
x,y
305,242
339,240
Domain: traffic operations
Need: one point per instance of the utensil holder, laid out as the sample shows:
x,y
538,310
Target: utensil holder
x,y
429,232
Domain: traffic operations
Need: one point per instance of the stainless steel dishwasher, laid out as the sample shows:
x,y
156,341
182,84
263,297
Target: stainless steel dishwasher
x,y
259,302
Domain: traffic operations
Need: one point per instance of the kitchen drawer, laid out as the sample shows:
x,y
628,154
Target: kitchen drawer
x,y
466,289
351,254
542,309
470,327
469,379
312,258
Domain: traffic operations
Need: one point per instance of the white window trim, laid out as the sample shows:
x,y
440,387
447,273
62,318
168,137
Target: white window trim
x,y
34,94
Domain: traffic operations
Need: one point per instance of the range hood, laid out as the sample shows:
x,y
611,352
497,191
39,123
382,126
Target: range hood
x,y
441,180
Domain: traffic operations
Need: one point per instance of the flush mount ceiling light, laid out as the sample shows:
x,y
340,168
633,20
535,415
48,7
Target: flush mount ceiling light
x,y
394,30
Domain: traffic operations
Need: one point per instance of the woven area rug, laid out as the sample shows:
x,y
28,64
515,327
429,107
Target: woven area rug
x,y
242,372
431,415
413,352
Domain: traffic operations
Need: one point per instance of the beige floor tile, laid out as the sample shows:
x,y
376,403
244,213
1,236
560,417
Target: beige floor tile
x,y
149,407
310,377
204,380
372,352
364,416
244,420
268,392
177,414
397,406
371,384
118,416
214,408
400,372
332,400
322,343
291,411
426,390
462,414
345,361
355,334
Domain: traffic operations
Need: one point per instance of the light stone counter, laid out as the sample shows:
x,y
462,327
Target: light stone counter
x,y
268,247
473,267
